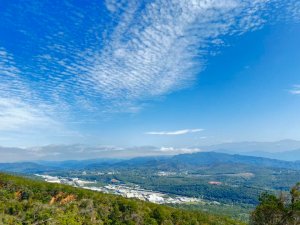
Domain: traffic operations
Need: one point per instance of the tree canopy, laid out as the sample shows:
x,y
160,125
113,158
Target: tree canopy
x,y
278,210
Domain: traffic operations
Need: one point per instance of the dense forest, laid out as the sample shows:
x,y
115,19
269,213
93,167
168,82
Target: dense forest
x,y
24,201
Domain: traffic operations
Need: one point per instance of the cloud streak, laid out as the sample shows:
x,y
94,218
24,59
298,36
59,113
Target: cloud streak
x,y
295,90
176,132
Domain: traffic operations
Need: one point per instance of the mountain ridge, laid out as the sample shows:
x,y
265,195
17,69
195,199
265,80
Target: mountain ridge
x,y
191,160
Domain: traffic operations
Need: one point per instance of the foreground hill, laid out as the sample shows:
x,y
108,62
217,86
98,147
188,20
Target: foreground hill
x,y
23,201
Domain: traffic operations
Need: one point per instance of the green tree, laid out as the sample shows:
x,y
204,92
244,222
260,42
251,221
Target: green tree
x,y
273,210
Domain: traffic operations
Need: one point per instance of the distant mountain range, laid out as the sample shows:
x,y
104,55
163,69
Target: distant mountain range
x,y
252,146
283,150
288,150
199,159
47,166
182,161
293,155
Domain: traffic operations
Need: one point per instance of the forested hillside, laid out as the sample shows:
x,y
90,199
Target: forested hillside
x,y
24,201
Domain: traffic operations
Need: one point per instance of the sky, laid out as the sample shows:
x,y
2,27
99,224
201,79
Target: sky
x,y
167,73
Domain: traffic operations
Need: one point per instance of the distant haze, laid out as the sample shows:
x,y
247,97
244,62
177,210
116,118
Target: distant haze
x,y
251,146
285,149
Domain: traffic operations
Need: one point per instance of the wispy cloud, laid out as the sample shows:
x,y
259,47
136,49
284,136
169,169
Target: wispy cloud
x,y
176,132
20,108
16,115
159,48
30,124
142,50
12,83
112,55
16,109
24,114
81,152
295,90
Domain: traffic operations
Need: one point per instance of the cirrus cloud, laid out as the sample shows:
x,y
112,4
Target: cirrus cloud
x,y
69,60
112,55
176,132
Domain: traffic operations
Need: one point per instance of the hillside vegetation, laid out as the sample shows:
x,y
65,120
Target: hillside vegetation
x,y
24,201
278,210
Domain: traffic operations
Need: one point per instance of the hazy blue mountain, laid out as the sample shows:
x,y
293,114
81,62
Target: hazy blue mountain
x,y
244,147
69,153
25,167
182,161
293,155
78,164
207,158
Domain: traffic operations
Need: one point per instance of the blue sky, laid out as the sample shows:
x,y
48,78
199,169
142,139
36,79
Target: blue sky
x,y
160,73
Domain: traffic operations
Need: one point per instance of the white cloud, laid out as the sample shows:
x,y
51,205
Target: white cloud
x,y
20,108
173,150
81,152
176,132
293,9
12,84
153,52
145,49
16,115
23,112
295,90
23,124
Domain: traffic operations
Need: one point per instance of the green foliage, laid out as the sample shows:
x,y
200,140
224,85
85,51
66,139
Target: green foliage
x,y
282,210
237,211
24,201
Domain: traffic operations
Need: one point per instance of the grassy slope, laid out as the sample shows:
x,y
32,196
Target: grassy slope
x,y
24,201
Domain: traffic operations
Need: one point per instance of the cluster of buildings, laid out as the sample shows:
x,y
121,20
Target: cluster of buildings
x,y
142,194
65,180
126,191
170,173
165,173
215,183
